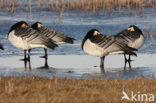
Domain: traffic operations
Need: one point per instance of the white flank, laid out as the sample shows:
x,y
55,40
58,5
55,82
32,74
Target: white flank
x,y
22,44
117,52
58,43
93,49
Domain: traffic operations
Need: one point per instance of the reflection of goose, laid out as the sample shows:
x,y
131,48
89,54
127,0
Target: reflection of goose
x,y
54,35
1,47
133,37
25,38
29,64
52,69
125,96
45,66
100,45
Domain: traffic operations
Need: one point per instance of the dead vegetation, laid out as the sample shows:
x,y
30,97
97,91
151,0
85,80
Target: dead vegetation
x,y
82,5
56,90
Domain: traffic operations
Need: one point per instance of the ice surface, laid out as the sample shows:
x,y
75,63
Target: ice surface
x,y
80,66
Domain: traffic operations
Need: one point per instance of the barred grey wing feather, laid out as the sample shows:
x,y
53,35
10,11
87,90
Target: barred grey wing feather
x,y
55,35
127,36
33,37
109,42
103,41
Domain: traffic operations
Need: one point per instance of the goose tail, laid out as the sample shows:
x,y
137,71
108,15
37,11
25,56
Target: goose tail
x,y
69,40
51,45
130,51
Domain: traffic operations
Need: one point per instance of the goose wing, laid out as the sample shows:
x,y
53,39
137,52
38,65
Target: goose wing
x,y
127,36
55,35
102,41
112,45
33,37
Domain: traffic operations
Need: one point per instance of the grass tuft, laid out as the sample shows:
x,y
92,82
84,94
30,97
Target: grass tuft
x,y
67,90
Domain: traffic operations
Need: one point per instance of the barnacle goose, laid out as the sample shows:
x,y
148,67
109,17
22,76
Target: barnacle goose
x,y
133,37
56,36
1,47
96,44
23,37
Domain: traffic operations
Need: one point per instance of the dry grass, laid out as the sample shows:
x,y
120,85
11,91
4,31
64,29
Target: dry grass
x,y
86,5
54,90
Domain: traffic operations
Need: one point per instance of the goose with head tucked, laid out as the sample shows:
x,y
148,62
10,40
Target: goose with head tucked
x,y
133,37
97,44
57,37
23,37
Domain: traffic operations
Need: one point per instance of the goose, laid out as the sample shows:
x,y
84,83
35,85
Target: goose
x,y
133,37
57,37
1,47
24,37
97,44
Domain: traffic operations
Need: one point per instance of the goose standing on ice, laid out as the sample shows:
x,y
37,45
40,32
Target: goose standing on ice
x,y
1,47
26,38
133,37
57,37
96,44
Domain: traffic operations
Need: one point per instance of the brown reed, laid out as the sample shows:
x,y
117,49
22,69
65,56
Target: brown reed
x,y
12,7
1,3
152,38
57,5
89,5
46,4
8,7
31,18
39,4
51,5
19,3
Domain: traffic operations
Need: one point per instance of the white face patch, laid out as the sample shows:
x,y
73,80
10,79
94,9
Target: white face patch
x,y
96,33
131,29
24,25
39,25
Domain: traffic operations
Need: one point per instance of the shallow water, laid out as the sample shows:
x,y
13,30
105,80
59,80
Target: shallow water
x,y
69,60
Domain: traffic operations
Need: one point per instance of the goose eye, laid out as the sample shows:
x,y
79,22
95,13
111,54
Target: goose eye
x,y
24,26
96,33
131,29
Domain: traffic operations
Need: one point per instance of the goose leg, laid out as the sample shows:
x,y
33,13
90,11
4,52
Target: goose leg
x,y
102,62
102,69
125,61
45,55
29,54
29,59
129,61
25,59
46,58
25,56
